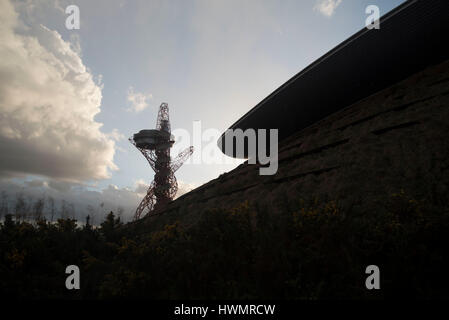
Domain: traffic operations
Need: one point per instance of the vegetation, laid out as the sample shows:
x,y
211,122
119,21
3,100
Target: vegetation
x,y
309,251
30,209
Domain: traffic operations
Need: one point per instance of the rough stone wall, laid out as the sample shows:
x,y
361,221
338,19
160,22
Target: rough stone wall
x,y
396,139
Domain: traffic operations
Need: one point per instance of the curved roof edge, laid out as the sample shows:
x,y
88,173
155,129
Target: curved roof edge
x,y
411,37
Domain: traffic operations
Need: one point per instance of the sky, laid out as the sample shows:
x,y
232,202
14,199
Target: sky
x,y
69,99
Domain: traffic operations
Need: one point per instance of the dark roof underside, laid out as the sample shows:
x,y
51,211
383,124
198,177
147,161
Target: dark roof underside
x,y
411,37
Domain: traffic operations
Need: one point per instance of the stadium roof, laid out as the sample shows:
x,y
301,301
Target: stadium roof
x,y
411,37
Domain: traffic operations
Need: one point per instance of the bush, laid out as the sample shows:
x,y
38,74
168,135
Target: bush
x,y
310,250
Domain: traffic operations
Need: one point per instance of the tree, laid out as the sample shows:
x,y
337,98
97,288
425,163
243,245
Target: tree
x,y
28,209
109,226
64,210
51,202
71,210
20,207
88,226
4,207
91,214
38,209
9,223
120,211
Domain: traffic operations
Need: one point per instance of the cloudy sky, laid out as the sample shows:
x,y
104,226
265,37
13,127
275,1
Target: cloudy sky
x,y
69,99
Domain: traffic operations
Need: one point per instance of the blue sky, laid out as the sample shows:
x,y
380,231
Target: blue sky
x,y
209,60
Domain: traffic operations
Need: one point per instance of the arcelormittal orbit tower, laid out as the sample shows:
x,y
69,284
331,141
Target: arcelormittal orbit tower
x,y
155,145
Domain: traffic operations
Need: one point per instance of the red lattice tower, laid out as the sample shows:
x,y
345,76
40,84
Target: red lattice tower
x,y
155,145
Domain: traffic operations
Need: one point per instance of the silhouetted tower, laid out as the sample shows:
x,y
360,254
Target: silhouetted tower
x,y
155,146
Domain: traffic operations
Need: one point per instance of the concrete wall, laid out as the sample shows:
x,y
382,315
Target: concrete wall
x,y
397,139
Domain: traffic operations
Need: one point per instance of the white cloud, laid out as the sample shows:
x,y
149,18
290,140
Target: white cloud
x,y
183,188
141,188
115,135
327,7
75,43
138,100
48,101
